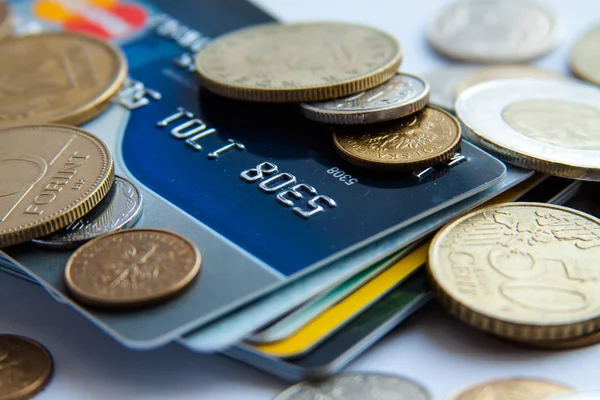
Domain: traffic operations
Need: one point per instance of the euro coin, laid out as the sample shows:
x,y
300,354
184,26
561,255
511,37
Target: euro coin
x,y
494,31
402,95
585,57
298,62
591,339
443,83
521,271
550,126
425,138
132,268
517,388
25,367
58,78
5,20
50,175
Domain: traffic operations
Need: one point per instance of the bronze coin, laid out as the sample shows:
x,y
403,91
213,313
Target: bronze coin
x,y
132,268
57,77
25,367
423,139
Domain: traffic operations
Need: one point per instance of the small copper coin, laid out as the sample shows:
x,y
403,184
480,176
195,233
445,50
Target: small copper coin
x,y
25,367
422,139
5,20
517,389
57,77
132,268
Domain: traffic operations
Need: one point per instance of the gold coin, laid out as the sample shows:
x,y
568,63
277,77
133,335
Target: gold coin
x,y
25,367
57,78
585,57
298,62
425,138
5,20
522,271
564,344
132,268
50,175
513,389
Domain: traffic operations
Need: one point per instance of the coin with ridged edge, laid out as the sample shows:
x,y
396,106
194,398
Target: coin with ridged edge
x,y
425,138
357,387
513,389
585,57
132,268
298,62
402,95
564,344
58,77
5,20
25,367
521,271
50,175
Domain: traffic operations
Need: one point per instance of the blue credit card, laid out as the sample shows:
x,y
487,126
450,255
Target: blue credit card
x,y
226,173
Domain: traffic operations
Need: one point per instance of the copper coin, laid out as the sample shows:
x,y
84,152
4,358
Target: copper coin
x,y
57,77
25,367
5,20
517,389
132,268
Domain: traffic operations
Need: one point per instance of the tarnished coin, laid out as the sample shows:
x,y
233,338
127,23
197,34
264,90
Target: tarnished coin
x,y
494,31
119,209
57,77
50,175
550,126
132,268
402,95
522,271
25,367
357,387
591,395
298,62
585,58
5,20
513,389
443,83
426,138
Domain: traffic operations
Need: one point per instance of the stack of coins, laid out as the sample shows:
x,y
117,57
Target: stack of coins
x,y
344,75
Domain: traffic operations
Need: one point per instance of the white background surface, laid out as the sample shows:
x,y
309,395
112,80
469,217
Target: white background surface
x,y
433,349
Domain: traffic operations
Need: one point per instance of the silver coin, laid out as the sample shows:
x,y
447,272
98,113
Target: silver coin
x,y
547,125
495,31
595,395
121,208
357,387
402,95
443,83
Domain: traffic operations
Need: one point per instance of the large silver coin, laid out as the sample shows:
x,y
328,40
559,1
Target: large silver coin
x,y
578,396
402,95
357,387
443,83
494,31
550,126
120,209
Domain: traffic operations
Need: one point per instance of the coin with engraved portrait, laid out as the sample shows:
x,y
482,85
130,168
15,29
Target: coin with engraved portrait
x,y
513,389
550,126
132,268
25,367
585,57
425,138
119,209
522,271
58,77
402,95
443,83
5,20
298,62
494,31
50,175
587,395
357,387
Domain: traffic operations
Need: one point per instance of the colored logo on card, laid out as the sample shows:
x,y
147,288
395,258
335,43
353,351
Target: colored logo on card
x,y
107,19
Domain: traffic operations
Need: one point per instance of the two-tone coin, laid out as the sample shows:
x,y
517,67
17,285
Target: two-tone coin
x,y
5,20
516,388
585,57
132,268
357,387
58,77
119,209
494,31
443,83
402,95
425,138
298,62
50,175
550,126
25,367
521,271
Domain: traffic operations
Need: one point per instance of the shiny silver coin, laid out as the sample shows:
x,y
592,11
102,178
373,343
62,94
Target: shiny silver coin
x,y
120,209
495,31
591,395
402,95
443,83
547,125
357,387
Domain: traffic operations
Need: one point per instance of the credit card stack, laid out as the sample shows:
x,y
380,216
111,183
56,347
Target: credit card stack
x,y
293,292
